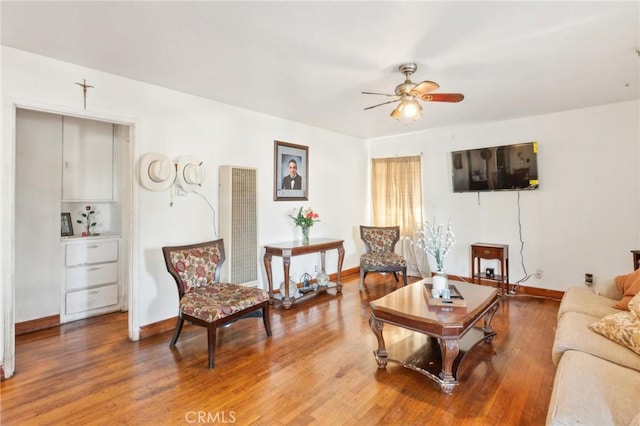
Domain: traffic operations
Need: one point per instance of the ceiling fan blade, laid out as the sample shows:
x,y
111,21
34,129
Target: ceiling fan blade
x,y
384,103
443,97
424,88
375,93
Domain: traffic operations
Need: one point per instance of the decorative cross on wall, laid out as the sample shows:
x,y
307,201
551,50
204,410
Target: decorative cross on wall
x,y
84,90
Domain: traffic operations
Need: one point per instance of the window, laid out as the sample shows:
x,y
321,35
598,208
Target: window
x,y
397,193
396,185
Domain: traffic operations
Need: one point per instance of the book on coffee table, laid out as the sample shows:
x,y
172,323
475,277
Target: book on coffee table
x,y
455,297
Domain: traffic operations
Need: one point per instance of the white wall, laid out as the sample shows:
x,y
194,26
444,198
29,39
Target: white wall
x,y
583,218
175,124
6,342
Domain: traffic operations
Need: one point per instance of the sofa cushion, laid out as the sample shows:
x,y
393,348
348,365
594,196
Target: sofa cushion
x,y
585,300
573,333
591,391
629,286
622,328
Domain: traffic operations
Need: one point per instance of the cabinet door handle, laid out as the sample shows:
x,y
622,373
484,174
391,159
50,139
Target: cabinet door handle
x,y
93,246
95,268
94,292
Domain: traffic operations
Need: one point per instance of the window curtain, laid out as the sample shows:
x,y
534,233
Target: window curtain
x,y
397,200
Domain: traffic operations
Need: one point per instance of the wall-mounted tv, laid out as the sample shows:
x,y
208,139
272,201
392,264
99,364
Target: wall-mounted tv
x,y
497,168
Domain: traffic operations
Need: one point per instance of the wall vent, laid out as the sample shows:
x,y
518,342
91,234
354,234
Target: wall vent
x,y
239,224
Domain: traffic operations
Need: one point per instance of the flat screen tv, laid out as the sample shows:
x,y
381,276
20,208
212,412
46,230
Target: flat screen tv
x,y
497,168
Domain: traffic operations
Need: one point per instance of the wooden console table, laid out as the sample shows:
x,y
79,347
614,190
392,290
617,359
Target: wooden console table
x,y
491,251
296,248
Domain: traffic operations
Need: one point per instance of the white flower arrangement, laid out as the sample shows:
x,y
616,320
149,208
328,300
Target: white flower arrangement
x,y
435,241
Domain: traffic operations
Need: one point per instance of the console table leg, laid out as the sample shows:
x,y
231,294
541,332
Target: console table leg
x,y
340,260
287,299
381,353
267,268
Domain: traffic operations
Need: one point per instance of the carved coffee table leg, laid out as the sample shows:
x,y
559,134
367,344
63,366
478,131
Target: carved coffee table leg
x,y
486,328
449,350
380,353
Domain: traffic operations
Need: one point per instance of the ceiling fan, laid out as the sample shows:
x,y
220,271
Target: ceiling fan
x,y
408,93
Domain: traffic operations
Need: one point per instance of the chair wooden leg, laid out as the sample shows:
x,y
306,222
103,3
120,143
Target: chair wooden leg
x,y
176,332
395,275
404,276
265,318
363,274
211,338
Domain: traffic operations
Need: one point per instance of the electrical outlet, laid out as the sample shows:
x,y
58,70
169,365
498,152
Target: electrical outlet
x,y
538,274
316,268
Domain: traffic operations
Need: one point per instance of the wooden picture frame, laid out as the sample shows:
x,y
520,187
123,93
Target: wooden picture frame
x,y
66,227
290,172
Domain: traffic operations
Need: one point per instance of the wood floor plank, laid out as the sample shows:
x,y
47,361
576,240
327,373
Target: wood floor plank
x,y
318,368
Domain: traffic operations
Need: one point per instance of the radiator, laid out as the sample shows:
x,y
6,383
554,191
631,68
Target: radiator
x,y
239,224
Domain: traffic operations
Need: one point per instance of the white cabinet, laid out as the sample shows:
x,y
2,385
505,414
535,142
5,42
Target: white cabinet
x,y
87,160
91,282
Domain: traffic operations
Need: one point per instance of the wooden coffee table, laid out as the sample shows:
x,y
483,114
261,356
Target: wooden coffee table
x,y
444,334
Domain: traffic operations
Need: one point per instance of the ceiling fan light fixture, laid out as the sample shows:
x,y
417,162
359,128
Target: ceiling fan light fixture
x,y
396,113
412,110
408,94
409,109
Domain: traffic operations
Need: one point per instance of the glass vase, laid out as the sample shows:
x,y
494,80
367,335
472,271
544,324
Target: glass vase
x,y
440,281
322,279
293,289
305,235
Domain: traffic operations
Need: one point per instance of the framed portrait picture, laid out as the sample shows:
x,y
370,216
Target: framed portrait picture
x,y
66,228
291,172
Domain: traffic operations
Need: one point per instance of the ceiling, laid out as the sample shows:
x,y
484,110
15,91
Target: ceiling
x,y
308,61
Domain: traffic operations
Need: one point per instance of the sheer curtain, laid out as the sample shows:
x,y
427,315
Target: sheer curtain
x,y
397,200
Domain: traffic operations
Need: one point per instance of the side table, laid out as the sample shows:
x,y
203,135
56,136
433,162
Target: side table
x,y
636,259
490,251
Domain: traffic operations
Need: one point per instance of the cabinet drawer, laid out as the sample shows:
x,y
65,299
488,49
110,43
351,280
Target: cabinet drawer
x,y
94,298
487,252
91,252
91,275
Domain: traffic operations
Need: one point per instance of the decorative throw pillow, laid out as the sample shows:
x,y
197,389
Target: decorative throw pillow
x,y
629,286
622,328
634,305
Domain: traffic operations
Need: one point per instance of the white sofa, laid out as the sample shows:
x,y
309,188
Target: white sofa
x,y
597,380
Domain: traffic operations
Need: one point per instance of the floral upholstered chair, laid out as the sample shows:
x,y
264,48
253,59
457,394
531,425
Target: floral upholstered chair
x,y
380,243
204,301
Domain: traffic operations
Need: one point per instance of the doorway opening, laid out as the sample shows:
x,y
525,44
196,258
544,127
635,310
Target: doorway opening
x,y
64,273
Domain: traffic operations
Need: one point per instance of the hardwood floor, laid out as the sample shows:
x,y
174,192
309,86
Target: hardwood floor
x,y
318,368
